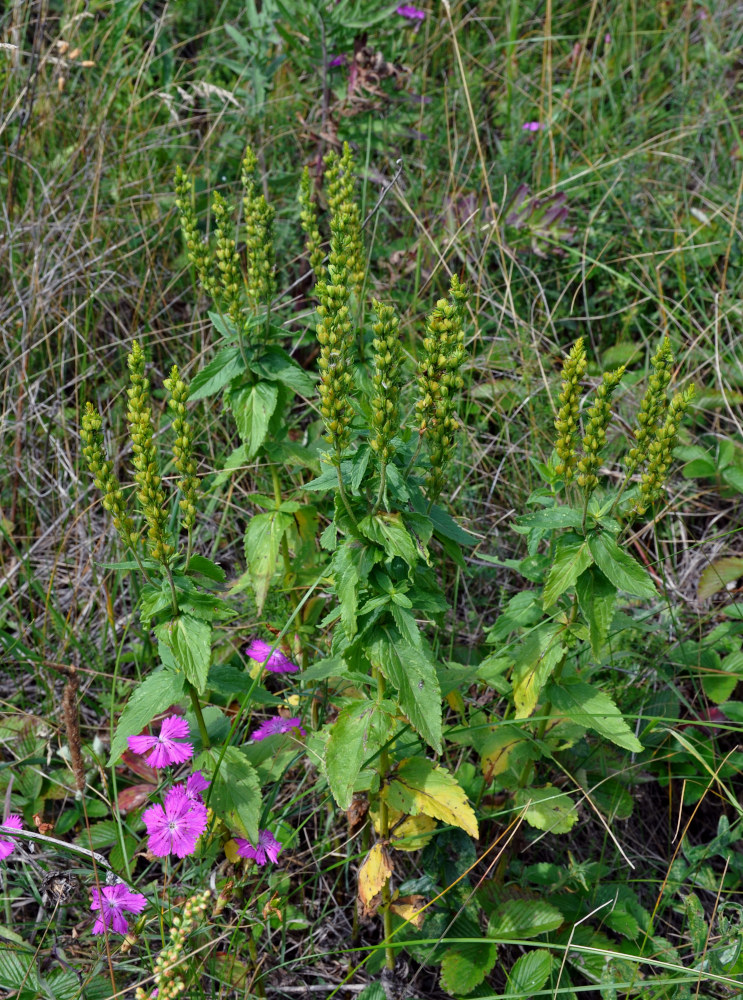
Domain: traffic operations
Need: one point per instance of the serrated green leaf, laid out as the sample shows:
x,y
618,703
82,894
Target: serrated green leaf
x,y
64,984
414,675
421,786
388,531
620,568
279,366
406,624
529,973
262,546
547,809
572,557
535,659
523,918
190,642
205,567
152,600
733,476
596,599
345,569
217,374
234,793
253,406
102,834
157,692
593,709
18,971
359,732
551,517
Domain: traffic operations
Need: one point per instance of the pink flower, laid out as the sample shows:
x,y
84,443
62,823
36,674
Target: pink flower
x,y
267,850
164,748
340,60
195,785
272,727
275,661
113,901
410,12
6,846
175,828
531,126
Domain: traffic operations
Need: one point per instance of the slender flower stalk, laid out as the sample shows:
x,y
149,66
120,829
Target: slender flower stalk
x,y
183,452
150,494
197,249
259,217
660,451
653,406
439,381
341,190
387,378
566,422
102,471
594,439
308,219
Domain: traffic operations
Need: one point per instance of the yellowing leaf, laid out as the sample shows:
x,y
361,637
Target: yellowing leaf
x,y
410,909
497,750
373,876
230,850
536,658
411,835
420,786
547,809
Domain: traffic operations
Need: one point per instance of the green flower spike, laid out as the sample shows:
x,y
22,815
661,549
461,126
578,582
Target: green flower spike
x,y
198,251
259,217
228,262
341,190
595,436
335,336
653,407
660,451
308,218
150,493
183,448
566,423
438,382
102,471
387,371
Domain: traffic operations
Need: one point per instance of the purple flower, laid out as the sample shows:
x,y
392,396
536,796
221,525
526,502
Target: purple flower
x,y
6,846
267,850
271,727
175,828
195,785
412,13
275,661
113,901
340,60
164,748
531,126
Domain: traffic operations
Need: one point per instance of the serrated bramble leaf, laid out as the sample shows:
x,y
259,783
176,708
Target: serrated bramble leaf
x,y
157,692
360,730
414,675
234,793
572,557
593,709
596,598
465,965
620,568
523,918
547,809
421,786
529,973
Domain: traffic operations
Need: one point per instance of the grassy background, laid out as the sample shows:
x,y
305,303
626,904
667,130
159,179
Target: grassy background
x,y
640,150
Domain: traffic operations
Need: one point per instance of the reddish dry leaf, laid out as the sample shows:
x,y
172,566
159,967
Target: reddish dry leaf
x,y
134,797
136,763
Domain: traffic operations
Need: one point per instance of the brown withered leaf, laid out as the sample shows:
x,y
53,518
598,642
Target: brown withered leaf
x,y
410,908
134,797
356,812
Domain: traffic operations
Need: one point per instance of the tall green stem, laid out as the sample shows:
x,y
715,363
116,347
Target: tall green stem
x,y
384,833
